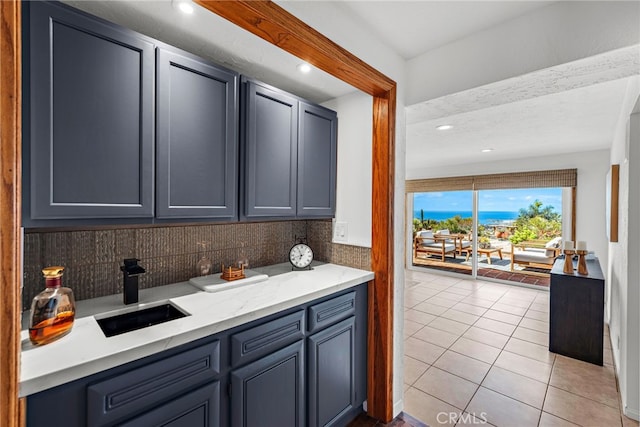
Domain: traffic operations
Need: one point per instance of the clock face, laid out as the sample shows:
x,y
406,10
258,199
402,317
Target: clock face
x,y
300,255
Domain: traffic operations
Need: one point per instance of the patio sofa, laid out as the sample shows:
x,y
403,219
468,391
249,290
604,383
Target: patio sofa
x,y
535,253
431,244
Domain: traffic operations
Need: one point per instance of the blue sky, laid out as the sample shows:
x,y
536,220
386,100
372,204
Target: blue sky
x,y
488,200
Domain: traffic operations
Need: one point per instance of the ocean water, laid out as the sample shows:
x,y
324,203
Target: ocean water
x,y
484,217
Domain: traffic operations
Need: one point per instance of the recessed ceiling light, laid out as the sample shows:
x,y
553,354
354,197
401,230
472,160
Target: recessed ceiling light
x,y
487,150
444,127
185,6
304,68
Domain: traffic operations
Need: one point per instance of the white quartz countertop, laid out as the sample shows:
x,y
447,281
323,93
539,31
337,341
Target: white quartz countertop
x,y
85,350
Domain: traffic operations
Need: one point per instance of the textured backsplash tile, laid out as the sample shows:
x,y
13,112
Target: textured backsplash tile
x,y
320,233
92,258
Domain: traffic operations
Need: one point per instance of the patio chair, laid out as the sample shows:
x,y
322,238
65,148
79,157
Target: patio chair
x,y
461,241
427,242
536,253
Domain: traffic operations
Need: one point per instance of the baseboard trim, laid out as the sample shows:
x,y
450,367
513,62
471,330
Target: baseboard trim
x,y
634,414
397,408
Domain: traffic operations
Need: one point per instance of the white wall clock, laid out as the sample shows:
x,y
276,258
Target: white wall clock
x,y
300,256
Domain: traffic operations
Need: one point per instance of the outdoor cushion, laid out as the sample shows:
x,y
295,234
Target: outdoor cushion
x,y
533,256
445,232
465,244
448,247
551,244
425,233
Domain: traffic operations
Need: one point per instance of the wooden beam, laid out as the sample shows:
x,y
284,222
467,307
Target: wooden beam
x,y
380,342
613,214
282,29
10,250
269,21
275,25
574,207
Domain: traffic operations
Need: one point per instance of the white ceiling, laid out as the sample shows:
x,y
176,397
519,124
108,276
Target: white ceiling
x,y
581,119
412,28
206,34
569,108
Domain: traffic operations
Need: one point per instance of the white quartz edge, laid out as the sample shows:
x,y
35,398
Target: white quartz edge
x,y
86,350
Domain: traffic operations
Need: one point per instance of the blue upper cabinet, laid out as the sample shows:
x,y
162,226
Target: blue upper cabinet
x,y
270,152
289,155
121,128
197,144
317,161
88,117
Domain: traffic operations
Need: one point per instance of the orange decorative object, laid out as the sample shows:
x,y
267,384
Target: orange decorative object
x,y
582,262
52,310
232,273
568,261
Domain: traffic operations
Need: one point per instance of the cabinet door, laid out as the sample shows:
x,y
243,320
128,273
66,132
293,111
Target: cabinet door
x,y
200,408
332,373
270,391
197,138
317,157
270,156
88,117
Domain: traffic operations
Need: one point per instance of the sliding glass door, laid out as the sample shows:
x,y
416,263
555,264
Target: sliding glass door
x,y
442,230
516,238
519,231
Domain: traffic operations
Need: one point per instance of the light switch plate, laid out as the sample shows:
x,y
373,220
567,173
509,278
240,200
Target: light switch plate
x,y
340,231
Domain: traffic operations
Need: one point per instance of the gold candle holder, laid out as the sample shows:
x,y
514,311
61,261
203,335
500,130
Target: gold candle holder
x,y
582,262
568,261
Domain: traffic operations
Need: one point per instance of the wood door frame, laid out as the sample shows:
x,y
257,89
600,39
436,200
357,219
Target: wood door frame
x,y
278,27
10,247
274,24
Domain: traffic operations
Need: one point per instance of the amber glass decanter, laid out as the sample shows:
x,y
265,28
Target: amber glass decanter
x,y
52,310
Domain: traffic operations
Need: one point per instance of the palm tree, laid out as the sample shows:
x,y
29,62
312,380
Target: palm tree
x,y
535,209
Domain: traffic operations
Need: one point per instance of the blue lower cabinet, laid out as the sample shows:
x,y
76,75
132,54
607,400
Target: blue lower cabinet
x,y
279,371
200,408
332,373
270,391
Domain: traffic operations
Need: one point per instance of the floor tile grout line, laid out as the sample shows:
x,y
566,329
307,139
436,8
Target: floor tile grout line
x,y
501,350
583,397
436,397
494,364
452,373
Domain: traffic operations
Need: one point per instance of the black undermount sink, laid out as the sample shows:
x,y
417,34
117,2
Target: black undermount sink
x,y
131,321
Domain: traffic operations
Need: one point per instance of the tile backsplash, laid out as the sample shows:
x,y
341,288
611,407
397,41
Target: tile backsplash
x,y
92,258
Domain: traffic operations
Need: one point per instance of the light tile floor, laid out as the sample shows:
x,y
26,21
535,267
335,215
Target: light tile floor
x,y
476,353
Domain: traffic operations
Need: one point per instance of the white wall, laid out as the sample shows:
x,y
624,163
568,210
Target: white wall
x,y
353,194
562,32
592,167
330,19
623,271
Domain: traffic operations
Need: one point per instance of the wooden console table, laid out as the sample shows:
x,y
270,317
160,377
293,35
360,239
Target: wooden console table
x,y
576,316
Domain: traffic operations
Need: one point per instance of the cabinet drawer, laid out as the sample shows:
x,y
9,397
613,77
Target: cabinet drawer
x,y
200,408
266,338
332,311
140,389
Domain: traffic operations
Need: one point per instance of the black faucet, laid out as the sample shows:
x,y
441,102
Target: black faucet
x,y
131,270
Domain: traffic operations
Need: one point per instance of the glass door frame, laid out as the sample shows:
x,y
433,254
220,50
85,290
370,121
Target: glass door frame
x,y
568,213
